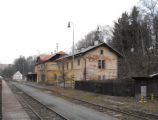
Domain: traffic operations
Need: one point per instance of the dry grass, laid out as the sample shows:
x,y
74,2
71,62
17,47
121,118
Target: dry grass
x,y
111,101
126,103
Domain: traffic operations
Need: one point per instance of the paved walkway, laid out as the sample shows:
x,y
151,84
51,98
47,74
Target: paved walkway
x,y
11,108
69,110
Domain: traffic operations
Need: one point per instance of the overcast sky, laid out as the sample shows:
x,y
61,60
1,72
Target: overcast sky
x,y
31,27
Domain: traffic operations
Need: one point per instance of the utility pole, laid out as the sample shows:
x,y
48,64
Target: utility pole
x,y
69,25
57,45
73,57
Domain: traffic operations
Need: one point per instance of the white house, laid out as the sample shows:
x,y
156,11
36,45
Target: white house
x,y
17,76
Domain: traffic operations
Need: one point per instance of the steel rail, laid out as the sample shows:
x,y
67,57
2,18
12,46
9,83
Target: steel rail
x,y
137,114
37,115
117,110
60,115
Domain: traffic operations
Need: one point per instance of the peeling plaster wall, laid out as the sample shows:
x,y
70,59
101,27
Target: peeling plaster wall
x,y
110,71
49,71
52,72
89,65
88,69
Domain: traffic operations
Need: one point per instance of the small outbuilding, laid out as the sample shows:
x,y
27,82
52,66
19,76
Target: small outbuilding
x,y
32,77
146,85
18,76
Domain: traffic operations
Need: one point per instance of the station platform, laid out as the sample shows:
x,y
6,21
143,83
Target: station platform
x,y
11,108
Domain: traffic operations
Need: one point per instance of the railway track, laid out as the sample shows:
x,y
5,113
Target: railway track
x,y
116,112
35,109
32,113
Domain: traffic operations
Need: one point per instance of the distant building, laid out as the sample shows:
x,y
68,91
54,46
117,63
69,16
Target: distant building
x,y
17,76
31,77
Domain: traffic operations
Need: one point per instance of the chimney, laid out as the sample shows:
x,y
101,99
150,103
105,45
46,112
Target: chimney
x,y
76,50
96,42
82,49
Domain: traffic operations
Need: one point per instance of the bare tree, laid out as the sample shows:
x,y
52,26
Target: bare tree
x,y
150,8
102,34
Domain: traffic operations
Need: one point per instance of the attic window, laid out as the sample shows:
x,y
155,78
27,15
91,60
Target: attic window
x,y
101,52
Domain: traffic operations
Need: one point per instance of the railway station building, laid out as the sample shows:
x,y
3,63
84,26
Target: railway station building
x,y
46,69
98,62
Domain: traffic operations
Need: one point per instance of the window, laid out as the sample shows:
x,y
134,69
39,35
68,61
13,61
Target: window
x,y
59,66
71,65
55,77
101,64
63,66
67,65
101,52
104,78
78,62
43,77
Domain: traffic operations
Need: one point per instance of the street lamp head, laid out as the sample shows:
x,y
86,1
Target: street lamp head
x,y
68,25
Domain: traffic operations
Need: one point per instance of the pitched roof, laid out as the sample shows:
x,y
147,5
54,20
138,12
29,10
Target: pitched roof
x,y
18,73
60,54
91,48
43,57
146,76
46,57
101,44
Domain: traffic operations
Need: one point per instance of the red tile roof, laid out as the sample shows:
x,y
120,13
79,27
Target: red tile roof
x,y
61,52
44,57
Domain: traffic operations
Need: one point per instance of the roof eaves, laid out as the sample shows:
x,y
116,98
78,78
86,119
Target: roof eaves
x,y
153,75
114,50
93,47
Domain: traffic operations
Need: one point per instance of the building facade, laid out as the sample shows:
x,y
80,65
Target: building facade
x,y
99,62
47,69
18,76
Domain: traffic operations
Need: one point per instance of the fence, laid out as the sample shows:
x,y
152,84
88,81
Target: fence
x,y
123,87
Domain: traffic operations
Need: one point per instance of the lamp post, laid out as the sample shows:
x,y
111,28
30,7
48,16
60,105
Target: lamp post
x,y
69,25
